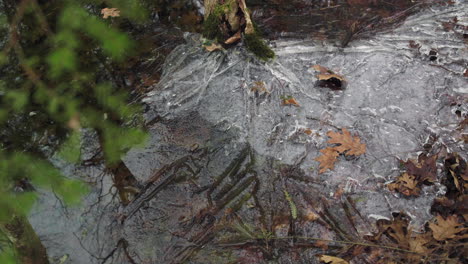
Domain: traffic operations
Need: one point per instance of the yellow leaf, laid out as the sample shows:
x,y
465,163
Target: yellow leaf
x,y
332,260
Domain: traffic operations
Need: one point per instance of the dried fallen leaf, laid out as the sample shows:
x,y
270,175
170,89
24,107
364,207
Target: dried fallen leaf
x,y
311,215
322,69
397,229
322,244
447,228
110,12
328,78
290,101
349,144
308,131
424,170
457,168
339,192
214,46
259,87
419,242
332,260
405,184
327,160
236,37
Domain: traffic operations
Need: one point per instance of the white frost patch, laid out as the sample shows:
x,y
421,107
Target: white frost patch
x,y
379,176
395,108
461,90
378,217
370,110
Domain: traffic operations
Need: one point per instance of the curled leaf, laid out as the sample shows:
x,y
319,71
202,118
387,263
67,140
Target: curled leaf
x,y
321,69
214,46
235,38
328,78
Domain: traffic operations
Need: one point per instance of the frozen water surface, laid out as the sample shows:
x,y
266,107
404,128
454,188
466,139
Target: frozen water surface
x,y
229,153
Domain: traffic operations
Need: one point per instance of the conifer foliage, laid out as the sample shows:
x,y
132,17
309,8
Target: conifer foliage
x,y
56,61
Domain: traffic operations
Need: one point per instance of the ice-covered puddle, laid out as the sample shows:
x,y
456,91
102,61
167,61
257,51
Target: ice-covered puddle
x,y
231,164
397,98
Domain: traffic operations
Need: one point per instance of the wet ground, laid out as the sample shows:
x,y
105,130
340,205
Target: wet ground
x,y
230,172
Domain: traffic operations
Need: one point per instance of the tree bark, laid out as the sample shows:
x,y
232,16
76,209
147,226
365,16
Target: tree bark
x,y
229,21
233,16
209,6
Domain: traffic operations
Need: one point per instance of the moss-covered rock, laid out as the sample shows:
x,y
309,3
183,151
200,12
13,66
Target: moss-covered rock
x,y
257,46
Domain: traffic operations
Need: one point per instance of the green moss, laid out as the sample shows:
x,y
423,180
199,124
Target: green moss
x,y
211,27
213,21
258,46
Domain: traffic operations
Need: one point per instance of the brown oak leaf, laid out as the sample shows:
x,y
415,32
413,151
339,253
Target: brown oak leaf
x,y
405,184
419,243
348,144
327,159
447,228
397,229
424,170
332,260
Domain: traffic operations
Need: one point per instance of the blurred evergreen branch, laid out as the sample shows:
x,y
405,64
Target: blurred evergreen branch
x,y
56,66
